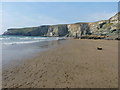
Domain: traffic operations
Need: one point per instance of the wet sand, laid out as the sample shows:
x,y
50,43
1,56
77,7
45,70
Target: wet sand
x,y
13,55
75,64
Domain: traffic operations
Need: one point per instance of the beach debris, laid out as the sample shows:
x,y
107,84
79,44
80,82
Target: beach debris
x,y
99,48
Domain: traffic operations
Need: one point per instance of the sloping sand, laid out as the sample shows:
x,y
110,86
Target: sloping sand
x,y
75,64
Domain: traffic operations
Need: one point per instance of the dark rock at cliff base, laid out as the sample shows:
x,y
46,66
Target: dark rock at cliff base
x,y
104,29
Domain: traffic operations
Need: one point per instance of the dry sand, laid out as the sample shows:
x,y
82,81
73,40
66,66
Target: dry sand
x,y
75,64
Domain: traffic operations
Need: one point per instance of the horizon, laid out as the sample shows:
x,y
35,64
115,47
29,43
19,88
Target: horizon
x,y
32,14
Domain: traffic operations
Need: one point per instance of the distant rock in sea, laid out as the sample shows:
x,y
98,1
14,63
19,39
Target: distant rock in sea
x,y
104,29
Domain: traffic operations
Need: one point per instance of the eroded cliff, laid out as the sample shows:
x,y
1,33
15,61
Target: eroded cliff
x,y
108,28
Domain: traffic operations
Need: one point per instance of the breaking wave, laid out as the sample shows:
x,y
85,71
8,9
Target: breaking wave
x,y
11,40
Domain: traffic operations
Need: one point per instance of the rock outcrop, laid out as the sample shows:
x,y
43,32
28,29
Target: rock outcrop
x,y
107,28
57,30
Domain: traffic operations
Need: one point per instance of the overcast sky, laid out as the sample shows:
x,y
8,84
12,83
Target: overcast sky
x,y
26,14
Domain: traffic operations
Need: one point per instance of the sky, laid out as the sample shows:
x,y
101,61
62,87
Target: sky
x,y
29,14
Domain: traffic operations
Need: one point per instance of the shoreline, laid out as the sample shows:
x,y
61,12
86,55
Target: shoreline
x,y
74,64
25,51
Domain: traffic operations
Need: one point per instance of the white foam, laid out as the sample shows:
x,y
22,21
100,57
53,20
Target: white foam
x,y
40,38
26,42
4,38
24,38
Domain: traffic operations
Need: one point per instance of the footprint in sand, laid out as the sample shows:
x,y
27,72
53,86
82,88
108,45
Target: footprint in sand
x,y
92,83
24,72
27,83
13,79
43,85
41,76
5,84
6,78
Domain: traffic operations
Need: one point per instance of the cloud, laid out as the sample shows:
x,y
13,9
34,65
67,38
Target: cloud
x,y
99,16
13,20
49,20
10,21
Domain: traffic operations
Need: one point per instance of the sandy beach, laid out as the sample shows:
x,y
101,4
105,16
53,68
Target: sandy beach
x,y
74,64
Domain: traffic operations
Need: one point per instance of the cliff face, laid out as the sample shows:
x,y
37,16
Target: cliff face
x,y
57,30
109,28
78,29
46,30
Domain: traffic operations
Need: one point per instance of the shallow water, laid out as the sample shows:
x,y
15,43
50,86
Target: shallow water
x,y
10,40
12,53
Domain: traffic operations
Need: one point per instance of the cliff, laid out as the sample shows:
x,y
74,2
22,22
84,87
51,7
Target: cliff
x,y
108,28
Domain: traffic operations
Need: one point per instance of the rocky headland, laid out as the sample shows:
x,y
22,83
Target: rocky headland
x,y
104,29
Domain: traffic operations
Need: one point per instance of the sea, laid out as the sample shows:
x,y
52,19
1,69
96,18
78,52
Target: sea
x,y
13,49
